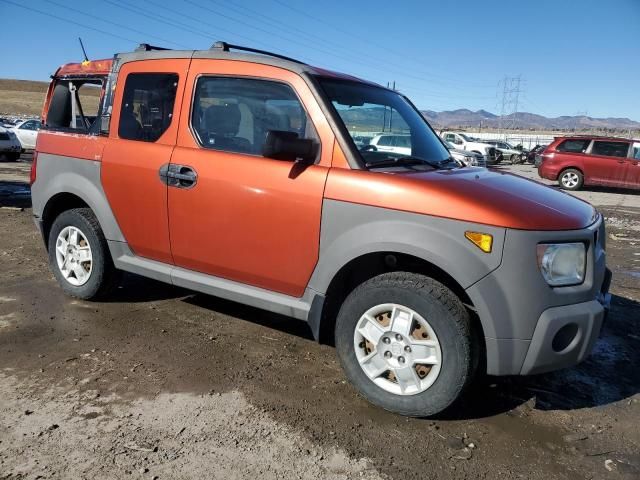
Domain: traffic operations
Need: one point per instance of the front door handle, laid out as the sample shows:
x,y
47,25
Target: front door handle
x,y
178,176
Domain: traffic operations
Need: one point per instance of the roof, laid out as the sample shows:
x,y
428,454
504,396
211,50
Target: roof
x,y
91,67
219,50
596,137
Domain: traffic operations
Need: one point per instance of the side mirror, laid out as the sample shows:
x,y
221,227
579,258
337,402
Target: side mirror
x,y
283,145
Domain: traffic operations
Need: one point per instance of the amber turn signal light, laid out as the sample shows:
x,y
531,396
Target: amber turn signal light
x,y
483,241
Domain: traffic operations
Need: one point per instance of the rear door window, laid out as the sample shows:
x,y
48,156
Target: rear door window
x,y
574,145
147,105
610,149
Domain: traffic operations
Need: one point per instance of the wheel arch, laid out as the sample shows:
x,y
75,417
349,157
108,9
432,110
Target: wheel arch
x,y
59,203
65,182
368,265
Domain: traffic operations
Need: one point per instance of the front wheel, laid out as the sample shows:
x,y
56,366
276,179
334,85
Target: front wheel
x,y
405,342
79,255
571,179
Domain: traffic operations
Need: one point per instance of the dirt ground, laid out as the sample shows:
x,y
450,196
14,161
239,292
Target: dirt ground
x,y
164,383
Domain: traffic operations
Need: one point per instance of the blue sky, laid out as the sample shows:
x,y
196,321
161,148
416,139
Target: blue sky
x,y
574,56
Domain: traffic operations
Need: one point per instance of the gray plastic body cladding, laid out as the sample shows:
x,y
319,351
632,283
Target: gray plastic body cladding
x,y
59,174
299,308
515,295
541,356
350,230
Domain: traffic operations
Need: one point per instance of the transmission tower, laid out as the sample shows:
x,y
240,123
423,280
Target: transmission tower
x,y
511,90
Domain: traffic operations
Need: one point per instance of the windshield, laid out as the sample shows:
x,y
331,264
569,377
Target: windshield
x,y
394,127
466,137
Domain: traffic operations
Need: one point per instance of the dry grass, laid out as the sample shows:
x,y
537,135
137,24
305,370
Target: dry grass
x,y
26,97
22,97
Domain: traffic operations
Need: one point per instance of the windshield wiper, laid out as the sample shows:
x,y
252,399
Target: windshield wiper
x,y
403,162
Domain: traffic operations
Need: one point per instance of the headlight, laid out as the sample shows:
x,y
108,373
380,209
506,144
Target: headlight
x,y
562,264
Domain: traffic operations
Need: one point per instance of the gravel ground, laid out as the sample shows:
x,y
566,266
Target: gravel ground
x,y
162,383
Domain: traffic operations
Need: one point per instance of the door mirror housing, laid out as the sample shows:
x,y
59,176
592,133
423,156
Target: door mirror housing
x,y
283,145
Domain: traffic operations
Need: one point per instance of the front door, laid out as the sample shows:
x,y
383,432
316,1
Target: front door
x,y
242,216
142,135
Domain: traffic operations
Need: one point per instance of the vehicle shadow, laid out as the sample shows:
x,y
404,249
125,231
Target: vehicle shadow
x,y
607,376
133,288
264,318
15,194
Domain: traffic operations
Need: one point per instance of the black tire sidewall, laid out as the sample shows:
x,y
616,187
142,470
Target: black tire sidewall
x,y
454,341
78,219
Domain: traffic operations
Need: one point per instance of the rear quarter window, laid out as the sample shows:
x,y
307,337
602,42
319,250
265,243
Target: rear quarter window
x,y
573,146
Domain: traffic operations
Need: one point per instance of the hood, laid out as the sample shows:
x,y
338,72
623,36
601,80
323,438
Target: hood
x,y
470,194
506,200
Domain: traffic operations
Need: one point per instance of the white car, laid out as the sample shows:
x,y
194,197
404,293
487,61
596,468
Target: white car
x,y
392,143
469,159
27,133
10,147
463,141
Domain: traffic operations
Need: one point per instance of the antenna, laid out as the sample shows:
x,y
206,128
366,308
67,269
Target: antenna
x,y
84,52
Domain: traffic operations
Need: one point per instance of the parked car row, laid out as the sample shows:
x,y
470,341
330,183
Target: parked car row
x,y
20,133
10,146
576,161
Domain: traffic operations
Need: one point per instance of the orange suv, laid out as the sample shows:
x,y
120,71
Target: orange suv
x,y
234,172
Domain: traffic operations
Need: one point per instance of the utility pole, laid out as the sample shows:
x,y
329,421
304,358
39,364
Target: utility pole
x,y
510,98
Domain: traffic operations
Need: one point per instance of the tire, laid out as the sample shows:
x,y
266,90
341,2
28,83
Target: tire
x,y
571,179
101,275
448,326
514,159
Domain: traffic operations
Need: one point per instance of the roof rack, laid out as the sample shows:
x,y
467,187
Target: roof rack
x,y
225,47
145,47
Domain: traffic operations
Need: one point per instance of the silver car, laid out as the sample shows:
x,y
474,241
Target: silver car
x,y
10,147
466,157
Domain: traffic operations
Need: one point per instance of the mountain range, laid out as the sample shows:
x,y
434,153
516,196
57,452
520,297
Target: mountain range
x,y
526,121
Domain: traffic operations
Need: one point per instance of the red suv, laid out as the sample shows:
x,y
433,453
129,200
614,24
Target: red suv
x,y
582,160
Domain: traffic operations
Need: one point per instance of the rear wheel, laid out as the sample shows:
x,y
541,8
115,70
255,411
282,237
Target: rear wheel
x,y
405,343
571,179
79,255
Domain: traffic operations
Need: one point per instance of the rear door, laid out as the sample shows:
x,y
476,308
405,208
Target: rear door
x,y
244,217
610,163
142,136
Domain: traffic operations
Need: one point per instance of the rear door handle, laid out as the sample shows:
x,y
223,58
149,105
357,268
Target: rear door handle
x,y
178,176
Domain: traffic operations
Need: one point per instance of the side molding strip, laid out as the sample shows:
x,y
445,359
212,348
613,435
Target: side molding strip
x,y
298,308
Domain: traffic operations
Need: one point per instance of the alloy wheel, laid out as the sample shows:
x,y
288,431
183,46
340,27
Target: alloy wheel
x,y
397,349
73,255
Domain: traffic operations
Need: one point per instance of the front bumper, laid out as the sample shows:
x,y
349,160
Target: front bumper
x,y
563,337
521,315
566,335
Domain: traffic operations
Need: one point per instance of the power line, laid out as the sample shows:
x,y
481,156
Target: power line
x,y
120,37
100,19
368,41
